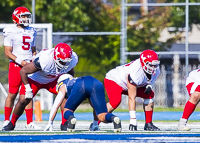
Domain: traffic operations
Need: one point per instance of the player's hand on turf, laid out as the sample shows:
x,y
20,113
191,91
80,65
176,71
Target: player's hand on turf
x,y
49,127
148,89
133,125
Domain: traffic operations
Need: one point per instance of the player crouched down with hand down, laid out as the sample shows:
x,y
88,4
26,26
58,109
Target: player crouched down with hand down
x,y
77,90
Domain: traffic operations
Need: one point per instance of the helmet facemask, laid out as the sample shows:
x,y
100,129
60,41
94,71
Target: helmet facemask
x,y
62,63
62,56
151,67
24,19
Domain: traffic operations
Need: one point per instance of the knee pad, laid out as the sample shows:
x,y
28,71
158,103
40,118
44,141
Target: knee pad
x,y
148,101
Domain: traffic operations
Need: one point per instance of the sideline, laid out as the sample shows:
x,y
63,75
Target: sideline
x,y
108,137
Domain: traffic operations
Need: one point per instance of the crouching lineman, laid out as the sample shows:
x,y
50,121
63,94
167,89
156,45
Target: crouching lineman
x,y
43,73
134,79
77,90
193,88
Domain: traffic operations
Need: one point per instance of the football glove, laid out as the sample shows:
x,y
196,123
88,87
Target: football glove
x,y
28,93
148,89
49,127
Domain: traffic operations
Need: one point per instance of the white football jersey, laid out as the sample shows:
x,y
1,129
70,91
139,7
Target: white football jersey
x,y
21,40
194,76
49,71
120,75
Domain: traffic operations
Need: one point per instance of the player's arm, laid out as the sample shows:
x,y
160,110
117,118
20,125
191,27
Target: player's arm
x,y
132,92
33,45
58,100
9,55
33,50
28,69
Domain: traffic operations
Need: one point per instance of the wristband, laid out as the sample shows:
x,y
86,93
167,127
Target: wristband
x,y
28,87
51,122
18,60
34,57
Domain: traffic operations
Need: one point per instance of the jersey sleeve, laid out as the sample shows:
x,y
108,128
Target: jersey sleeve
x,y
59,85
37,63
44,60
34,35
7,37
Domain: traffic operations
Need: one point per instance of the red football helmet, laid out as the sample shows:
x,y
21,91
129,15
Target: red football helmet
x,y
149,61
62,55
22,16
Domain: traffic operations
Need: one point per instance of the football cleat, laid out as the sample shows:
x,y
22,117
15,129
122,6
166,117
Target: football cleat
x,y
63,127
132,127
71,122
9,127
94,127
31,125
150,127
5,123
182,125
117,124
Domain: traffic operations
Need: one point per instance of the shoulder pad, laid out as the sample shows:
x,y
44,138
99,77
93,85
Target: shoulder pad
x,y
37,63
130,80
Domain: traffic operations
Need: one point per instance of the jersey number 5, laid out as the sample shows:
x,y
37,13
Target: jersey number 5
x,y
26,45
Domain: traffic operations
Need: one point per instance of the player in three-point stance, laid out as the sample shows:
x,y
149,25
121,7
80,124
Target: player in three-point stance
x,y
44,72
77,90
193,88
19,45
134,79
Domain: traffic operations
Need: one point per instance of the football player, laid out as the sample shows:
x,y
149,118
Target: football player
x,y
193,88
43,72
19,45
134,79
77,90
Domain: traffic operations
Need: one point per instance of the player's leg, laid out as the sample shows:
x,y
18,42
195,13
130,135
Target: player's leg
x,y
14,81
114,92
21,104
63,125
29,108
97,99
76,97
51,87
148,106
189,106
18,111
71,120
95,125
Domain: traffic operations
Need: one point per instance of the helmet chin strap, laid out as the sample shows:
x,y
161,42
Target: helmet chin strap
x,y
148,75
